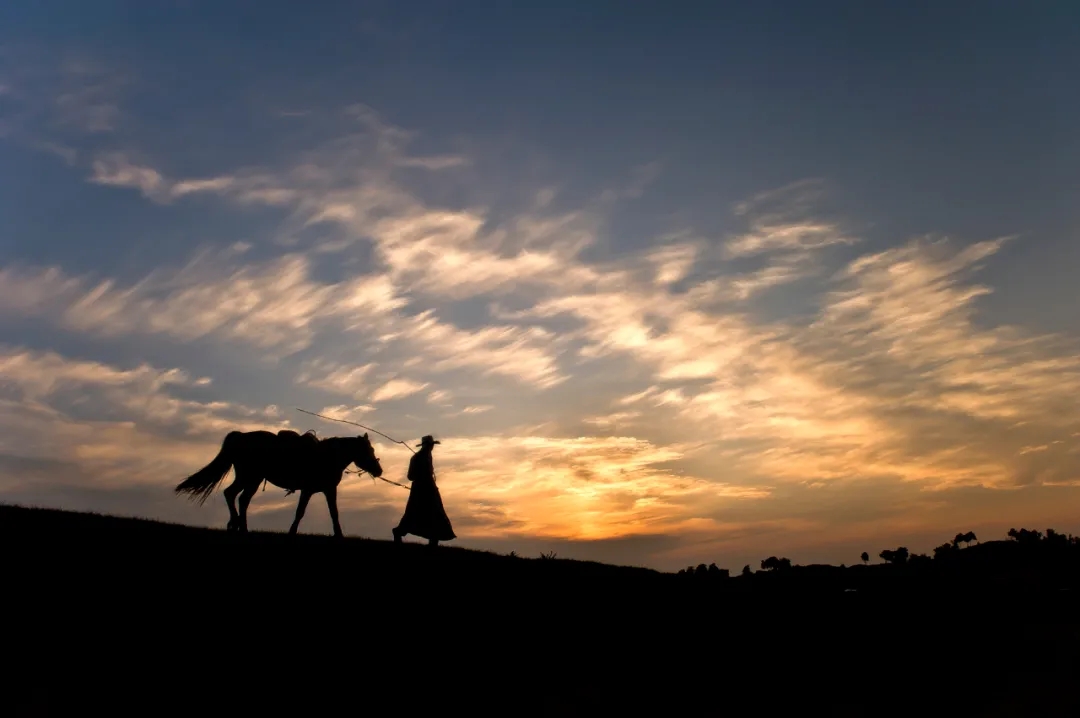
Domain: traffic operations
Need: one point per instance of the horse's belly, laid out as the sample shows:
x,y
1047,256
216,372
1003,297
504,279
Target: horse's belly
x,y
287,481
299,479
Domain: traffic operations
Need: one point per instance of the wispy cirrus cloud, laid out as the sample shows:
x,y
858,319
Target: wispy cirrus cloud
x,y
397,389
349,380
273,306
141,432
894,378
786,220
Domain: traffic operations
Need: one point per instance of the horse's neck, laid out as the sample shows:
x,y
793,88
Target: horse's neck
x,y
339,452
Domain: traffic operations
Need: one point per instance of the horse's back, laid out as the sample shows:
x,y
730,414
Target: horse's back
x,y
289,436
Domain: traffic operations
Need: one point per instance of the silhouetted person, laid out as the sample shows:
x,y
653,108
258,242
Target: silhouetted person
x,y
424,514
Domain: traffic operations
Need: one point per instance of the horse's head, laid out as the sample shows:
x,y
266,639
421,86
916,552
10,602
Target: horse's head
x,y
365,457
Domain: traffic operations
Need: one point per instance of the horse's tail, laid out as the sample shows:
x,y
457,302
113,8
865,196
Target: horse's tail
x,y
203,482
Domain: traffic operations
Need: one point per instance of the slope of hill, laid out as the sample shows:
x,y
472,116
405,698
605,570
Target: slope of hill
x,y
139,616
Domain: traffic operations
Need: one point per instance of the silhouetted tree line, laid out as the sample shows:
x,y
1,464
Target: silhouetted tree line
x,y
899,556
703,571
1052,537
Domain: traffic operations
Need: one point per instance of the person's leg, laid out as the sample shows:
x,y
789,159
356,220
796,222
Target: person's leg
x,y
433,542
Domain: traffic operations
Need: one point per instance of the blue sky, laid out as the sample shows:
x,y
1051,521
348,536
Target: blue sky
x,y
684,283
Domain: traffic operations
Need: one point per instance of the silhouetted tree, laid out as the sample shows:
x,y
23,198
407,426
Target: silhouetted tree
x,y
1025,536
944,550
716,572
900,555
772,563
701,570
865,557
746,570
964,538
919,559
1053,537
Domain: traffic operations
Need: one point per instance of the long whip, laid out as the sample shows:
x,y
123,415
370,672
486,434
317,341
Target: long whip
x,y
345,421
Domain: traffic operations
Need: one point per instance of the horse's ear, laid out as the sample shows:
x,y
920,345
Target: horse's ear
x,y
365,434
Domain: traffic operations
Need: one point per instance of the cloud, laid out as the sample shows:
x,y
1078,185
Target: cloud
x,y
742,287
115,171
349,380
673,262
440,162
785,237
525,354
26,291
119,426
785,220
40,374
274,306
348,413
350,184
893,378
397,389
611,421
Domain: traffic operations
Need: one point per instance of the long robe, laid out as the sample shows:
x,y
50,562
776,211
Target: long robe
x,y
424,513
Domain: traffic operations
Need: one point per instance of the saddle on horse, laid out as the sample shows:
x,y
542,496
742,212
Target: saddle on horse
x,y
298,447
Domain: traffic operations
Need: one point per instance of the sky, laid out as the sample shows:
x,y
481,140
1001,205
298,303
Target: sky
x,y
672,283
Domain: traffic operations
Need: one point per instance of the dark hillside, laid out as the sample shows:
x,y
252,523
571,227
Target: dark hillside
x,y
141,617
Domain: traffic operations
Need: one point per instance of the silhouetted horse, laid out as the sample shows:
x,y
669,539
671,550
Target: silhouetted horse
x,y
285,459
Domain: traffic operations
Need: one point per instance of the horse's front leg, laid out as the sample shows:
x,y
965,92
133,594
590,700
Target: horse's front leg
x,y
331,503
301,506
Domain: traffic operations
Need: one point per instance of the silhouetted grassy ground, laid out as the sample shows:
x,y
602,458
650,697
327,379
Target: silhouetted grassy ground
x,y
141,617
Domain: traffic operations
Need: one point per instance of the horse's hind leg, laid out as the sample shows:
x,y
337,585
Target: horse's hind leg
x,y
247,493
230,499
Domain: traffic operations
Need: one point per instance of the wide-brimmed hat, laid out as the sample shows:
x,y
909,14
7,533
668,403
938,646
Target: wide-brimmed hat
x,y
428,440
